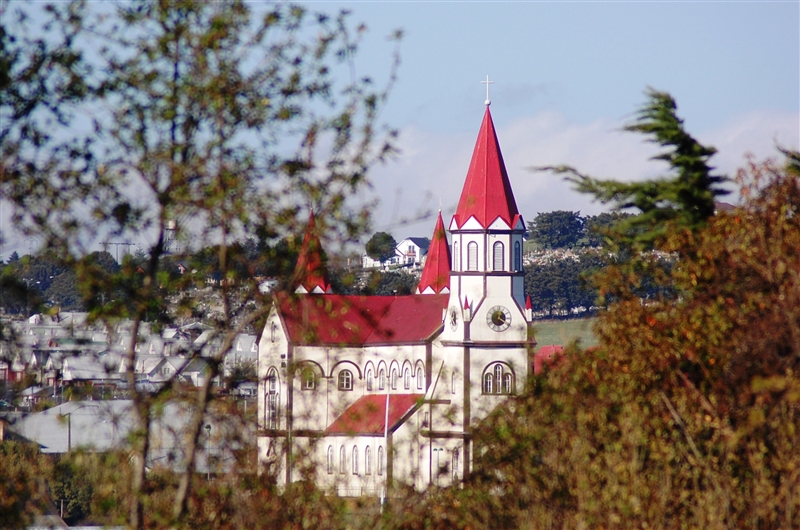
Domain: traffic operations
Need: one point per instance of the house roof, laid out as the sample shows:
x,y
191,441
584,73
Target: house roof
x,y
487,191
547,355
368,414
311,273
422,242
360,320
436,273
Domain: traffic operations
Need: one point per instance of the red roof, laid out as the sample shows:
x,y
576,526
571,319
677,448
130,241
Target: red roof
x,y
436,273
368,414
310,271
358,320
487,192
547,355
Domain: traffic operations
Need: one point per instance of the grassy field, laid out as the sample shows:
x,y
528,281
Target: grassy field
x,y
564,331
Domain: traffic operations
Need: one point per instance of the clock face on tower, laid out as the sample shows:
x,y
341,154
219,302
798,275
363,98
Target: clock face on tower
x,y
498,318
453,317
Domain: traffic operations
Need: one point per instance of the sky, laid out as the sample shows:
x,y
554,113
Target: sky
x,y
567,76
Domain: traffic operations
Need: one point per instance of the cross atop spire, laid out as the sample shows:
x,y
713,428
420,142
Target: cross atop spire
x,y
487,83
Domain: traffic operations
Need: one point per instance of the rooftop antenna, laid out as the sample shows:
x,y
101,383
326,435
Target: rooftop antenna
x,y
487,83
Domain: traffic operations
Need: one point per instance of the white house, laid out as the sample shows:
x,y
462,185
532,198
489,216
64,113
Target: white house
x,y
410,251
361,394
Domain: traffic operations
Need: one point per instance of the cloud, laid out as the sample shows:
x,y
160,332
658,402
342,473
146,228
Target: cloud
x,y
432,166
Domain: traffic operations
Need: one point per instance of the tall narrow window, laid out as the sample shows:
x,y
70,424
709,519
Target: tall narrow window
x,y
394,379
381,458
342,461
382,380
368,461
456,462
488,379
420,379
472,256
355,460
309,379
455,255
517,257
369,380
272,400
507,383
498,377
498,251
330,459
272,411
345,380
453,383
407,378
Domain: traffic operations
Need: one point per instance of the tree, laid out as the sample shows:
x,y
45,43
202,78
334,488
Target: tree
x,y
381,246
596,227
389,284
232,123
559,229
21,469
687,199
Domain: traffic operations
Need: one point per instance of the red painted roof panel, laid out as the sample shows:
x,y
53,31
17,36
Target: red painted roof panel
x,y
368,414
487,191
311,272
436,273
360,320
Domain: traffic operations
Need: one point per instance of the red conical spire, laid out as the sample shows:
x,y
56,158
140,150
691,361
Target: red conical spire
x,y
311,273
436,273
487,192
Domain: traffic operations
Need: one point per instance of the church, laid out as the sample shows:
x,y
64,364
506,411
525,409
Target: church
x,y
364,393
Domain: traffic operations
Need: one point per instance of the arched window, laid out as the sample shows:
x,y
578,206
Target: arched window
x,y
369,380
498,251
345,380
368,461
394,379
407,379
273,332
455,463
517,257
455,255
381,458
472,256
498,379
420,379
330,459
382,380
355,460
309,380
342,461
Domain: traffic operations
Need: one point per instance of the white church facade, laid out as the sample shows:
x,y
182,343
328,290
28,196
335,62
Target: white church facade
x,y
364,393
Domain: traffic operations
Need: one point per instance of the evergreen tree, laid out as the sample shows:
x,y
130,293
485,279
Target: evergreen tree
x,y
686,198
